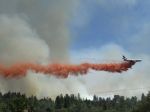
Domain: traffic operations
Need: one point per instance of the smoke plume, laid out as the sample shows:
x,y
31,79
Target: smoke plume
x,y
48,20
35,31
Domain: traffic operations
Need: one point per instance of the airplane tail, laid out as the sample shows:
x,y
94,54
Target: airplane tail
x,y
124,58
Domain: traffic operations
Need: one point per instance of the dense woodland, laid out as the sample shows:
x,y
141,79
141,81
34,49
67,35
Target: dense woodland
x,y
16,102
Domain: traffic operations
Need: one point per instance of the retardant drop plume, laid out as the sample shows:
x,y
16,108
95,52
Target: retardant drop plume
x,y
63,70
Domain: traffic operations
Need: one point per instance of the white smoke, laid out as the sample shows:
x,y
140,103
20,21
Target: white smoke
x,y
49,19
36,31
51,22
42,86
19,43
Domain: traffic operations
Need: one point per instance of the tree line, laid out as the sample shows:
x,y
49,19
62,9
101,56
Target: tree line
x,y
17,102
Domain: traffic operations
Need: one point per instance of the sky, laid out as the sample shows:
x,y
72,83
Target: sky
x,y
75,31
105,30
100,22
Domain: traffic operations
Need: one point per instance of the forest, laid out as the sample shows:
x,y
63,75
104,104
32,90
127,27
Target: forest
x,y
17,102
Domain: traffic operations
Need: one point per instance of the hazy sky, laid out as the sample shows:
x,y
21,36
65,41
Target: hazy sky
x,y
76,31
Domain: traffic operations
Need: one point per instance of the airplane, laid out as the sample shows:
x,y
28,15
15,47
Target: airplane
x,y
132,61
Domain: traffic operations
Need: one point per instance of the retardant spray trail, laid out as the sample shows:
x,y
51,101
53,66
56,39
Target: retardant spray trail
x,y
63,70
